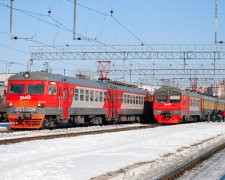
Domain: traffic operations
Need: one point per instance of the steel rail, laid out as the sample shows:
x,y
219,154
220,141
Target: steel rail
x,y
177,172
17,140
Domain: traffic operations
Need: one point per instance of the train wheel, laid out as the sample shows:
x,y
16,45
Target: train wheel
x,y
44,124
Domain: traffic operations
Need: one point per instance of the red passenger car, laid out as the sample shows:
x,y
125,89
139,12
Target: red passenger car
x,y
43,100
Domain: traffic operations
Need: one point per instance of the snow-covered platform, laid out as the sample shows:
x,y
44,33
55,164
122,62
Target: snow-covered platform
x,y
84,157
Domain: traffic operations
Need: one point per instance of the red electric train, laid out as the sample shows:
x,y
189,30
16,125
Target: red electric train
x,y
43,100
173,105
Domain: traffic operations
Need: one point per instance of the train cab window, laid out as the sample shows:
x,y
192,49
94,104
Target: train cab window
x,y
161,97
52,90
81,95
87,95
16,89
175,97
35,89
96,96
105,96
76,95
91,95
100,96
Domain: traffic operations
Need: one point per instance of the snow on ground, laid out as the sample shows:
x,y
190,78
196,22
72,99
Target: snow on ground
x,y
84,157
32,133
212,168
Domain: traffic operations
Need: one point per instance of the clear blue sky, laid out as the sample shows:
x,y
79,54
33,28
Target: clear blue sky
x,y
152,21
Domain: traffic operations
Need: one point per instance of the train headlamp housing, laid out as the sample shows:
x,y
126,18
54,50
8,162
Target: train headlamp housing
x,y
26,75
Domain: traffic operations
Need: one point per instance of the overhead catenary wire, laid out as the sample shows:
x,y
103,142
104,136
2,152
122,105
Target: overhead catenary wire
x,y
113,17
91,40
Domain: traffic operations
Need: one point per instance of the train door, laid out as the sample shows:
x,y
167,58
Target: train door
x,y
65,102
110,106
116,102
188,107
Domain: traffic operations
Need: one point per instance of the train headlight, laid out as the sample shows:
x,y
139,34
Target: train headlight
x,y
41,105
9,104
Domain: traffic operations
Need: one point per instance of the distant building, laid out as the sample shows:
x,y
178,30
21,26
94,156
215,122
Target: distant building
x,y
202,90
217,90
149,88
4,78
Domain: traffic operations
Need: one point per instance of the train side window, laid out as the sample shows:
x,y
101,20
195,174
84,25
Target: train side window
x,y
121,98
87,95
96,96
128,99
81,95
52,90
92,95
76,95
105,96
139,100
100,96
136,99
125,98
131,99
72,94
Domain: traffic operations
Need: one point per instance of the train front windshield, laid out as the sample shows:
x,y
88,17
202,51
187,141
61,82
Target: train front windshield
x,y
16,89
175,97
161,97
35,89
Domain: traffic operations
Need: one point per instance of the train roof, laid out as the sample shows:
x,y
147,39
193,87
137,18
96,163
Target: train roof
x,y
190,93
78,81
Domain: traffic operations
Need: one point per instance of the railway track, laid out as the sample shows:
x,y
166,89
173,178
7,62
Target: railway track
x,y
178,171
8,131
73,134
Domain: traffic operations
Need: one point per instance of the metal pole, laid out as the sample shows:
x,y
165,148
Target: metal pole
x,y
31,64
74,23
11,19
216,22
7,69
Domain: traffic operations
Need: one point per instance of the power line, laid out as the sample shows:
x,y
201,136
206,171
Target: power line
x,y
110,16
14,49
28,13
